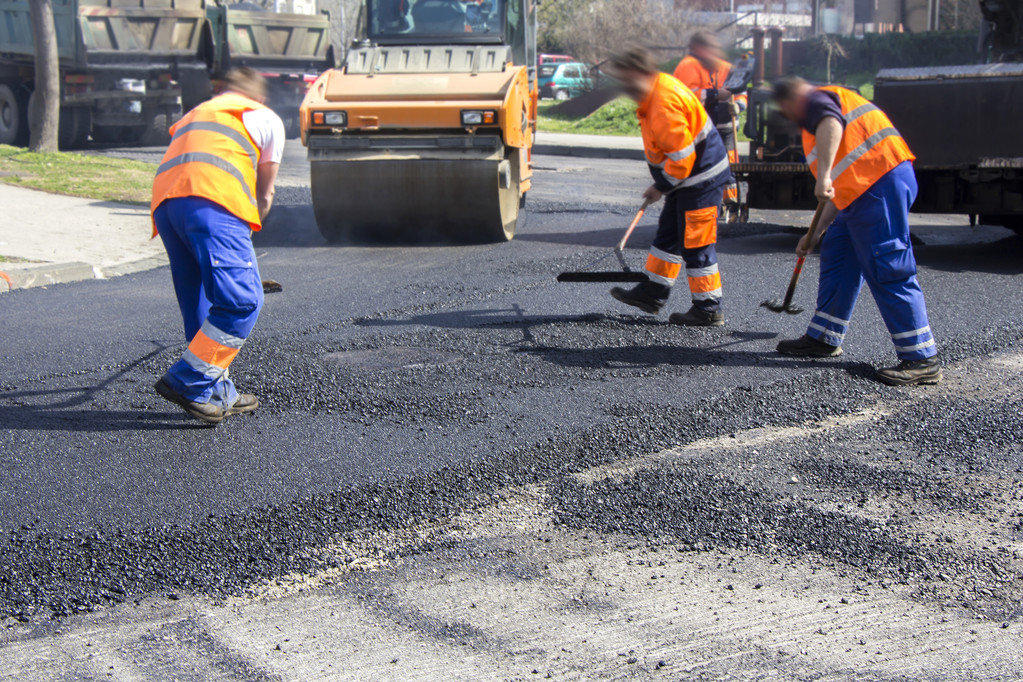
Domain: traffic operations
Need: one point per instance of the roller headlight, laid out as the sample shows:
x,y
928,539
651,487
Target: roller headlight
x,y
477,117
330,118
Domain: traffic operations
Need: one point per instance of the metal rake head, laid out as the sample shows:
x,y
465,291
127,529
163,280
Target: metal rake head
x,y
778,306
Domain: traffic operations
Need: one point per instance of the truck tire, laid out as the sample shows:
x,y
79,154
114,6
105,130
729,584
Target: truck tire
x,y
156,132
13,115
75,126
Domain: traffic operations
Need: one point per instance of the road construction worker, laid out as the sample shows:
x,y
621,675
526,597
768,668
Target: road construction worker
x,y
705,72
864,172
213,188
690,167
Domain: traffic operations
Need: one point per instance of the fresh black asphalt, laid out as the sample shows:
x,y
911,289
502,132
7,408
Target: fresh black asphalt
x,y
404,383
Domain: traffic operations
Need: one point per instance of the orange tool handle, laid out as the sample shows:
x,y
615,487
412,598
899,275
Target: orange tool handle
x,y
635,222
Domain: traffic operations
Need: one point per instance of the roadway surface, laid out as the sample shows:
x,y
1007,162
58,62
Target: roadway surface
x,y
406,386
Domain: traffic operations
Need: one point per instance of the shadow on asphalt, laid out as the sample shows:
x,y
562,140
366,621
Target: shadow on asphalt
x,y
94,421
56,413
1002,257
649,356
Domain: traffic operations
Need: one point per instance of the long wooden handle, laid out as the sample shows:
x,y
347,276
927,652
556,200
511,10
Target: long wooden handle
x,y
802,259
635,222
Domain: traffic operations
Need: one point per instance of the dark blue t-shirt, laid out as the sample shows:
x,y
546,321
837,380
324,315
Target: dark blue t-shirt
x,y
819,106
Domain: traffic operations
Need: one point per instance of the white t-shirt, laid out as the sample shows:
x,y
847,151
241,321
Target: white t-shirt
x,y
267,131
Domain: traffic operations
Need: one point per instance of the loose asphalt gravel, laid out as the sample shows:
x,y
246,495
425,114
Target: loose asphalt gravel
x,y
408,384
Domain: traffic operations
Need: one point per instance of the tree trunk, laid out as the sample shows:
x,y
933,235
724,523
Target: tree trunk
x,y
44,112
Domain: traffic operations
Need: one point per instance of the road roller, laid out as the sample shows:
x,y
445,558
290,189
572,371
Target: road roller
x,y
425,132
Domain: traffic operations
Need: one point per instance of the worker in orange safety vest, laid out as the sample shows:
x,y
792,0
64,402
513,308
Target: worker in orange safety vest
x,y
864,173
689,165
213,188
705,72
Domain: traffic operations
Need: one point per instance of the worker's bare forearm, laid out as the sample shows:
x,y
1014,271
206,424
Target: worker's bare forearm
x,y
828,216
829,135
266,178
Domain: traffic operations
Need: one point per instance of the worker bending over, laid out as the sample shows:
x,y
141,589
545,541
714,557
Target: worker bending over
x,y
213,188
705,72
690,167
864,170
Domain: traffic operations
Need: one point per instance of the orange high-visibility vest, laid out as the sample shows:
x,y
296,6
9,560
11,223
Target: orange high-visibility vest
x,y
695,76
212,155
870,147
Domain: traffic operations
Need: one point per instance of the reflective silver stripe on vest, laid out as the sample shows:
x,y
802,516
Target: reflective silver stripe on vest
x,y
849,118
715,170
213,160
859,111
854,154
226,131
687,151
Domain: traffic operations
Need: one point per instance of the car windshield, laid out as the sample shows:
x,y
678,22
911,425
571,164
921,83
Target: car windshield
x,y
454,20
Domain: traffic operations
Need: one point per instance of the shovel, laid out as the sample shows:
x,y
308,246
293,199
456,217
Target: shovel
x,y
624,275
786,306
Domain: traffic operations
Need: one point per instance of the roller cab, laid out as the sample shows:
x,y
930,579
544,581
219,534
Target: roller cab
x,y
425,132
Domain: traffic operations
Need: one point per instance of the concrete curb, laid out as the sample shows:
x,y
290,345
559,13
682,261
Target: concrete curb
x,y
588,152
16,276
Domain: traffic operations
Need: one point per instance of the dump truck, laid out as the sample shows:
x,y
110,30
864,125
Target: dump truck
x,y
290,50
426,130
968,147
122,63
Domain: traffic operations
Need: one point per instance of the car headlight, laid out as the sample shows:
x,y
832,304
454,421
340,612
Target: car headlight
x,y
477,117
330,118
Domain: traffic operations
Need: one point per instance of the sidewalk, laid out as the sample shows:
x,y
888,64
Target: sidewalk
x,y
596,146
52,239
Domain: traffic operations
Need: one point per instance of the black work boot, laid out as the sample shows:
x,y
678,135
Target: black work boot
x,y
207,412
808,347
911,373
246,403
697,317
640,297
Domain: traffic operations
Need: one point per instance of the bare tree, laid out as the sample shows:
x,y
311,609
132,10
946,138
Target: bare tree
x,y
593,30
44,109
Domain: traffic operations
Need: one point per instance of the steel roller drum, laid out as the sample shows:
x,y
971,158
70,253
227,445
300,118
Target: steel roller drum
x,y
415,199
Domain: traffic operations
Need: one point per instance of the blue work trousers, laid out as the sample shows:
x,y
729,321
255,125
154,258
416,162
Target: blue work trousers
x,y
869,240
219,291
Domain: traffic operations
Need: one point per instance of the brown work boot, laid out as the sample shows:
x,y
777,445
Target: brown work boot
x,y
246,403
911,373
207,412
808,347
695,317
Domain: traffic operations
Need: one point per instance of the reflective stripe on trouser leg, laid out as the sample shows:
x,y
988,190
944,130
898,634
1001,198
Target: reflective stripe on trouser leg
x,y
663,267
731,193
221,249
202,372
879,225
838,288
704,277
